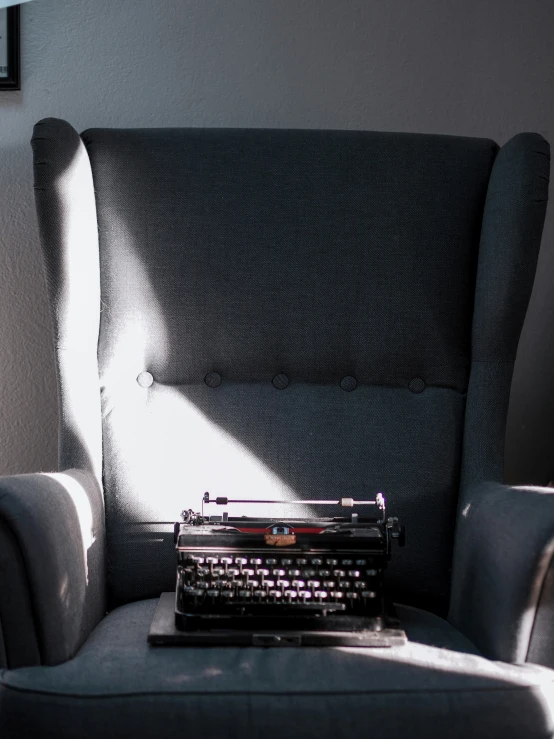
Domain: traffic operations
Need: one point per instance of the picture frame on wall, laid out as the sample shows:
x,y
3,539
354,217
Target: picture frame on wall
x,y
9,48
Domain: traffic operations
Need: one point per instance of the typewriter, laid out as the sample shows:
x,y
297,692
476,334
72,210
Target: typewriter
x,y
286,582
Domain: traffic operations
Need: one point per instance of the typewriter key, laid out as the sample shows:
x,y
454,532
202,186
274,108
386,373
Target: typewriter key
x,y
304,594
260,593
212,593
301,561
368,594
271,561
298,583
313,583
325,573
336,594
255,561
344,584
316,562
309,573
212,560
332,562
275,593
352,595
241,561
291,593
294,573
329,583
286,562
226,560
360,585
339,573
361,562
279,573
320,594
245,594
354,573
347,562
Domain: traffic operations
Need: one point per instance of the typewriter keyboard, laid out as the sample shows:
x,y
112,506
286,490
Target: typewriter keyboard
x,y
256,582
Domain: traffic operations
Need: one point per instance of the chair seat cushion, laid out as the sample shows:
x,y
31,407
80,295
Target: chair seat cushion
x,y
117,685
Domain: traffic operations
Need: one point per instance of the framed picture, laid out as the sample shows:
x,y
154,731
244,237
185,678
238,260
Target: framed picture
x,y
9,48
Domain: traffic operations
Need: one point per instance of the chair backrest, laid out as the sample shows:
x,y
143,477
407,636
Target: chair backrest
x,y
287,314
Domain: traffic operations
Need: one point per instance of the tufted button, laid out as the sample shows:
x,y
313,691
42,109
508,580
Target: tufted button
x,y
212,379
416,385
145,379
280,381
348,383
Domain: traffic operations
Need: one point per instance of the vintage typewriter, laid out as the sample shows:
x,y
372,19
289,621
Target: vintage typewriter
x,y
286,582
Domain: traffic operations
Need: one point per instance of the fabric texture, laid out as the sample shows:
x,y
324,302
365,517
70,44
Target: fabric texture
x,y
289,313
57,524
511,232
18,638
318,255
436,686
504,548
66,211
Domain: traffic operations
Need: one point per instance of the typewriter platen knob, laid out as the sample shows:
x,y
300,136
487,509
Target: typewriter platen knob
x,y
397,531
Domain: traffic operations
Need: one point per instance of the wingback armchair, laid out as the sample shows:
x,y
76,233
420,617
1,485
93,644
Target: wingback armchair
x,y
305,314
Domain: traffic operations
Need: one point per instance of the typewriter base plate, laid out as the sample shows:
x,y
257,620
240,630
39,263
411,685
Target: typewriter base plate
x,y
163,632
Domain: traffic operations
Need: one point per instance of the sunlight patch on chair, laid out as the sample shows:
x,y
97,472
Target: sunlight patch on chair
x,y
81,503
438,659
172,453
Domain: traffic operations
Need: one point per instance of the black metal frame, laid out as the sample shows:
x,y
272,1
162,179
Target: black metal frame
x,y
13,80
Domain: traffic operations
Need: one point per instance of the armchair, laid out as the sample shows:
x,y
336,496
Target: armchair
x,y
293,313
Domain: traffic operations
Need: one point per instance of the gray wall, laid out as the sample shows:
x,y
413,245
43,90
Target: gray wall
x,y
446,66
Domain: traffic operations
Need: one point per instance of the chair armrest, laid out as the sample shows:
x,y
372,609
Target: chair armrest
x,y
53,525
503,571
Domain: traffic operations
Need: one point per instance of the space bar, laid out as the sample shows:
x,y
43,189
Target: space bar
x,y
283,607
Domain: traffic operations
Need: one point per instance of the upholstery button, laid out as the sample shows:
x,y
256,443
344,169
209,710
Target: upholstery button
x,y
348,383
212,379
416,385
145,379
280,381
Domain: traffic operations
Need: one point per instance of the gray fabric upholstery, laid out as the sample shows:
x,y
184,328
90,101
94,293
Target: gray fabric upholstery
x,y
117,685
68,229
509,245
315,311
504,548
541,645
18,642
56,524
318,255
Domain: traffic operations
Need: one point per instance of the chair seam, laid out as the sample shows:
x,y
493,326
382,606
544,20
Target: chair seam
x,y
249,694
